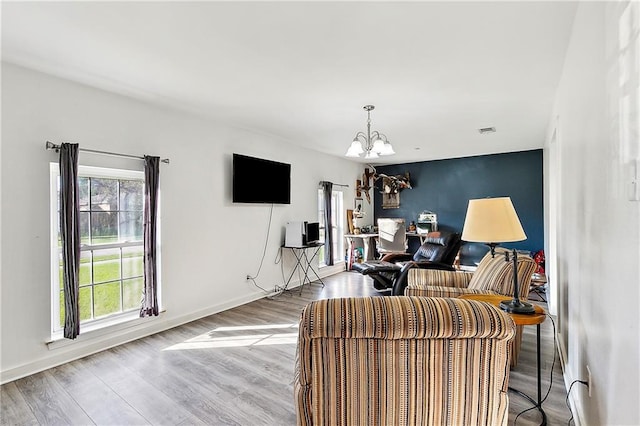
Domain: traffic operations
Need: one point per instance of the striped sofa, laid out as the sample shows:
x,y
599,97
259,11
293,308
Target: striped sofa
x,y
402,360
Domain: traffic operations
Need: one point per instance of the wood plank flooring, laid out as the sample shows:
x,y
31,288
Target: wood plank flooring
x,y
232,368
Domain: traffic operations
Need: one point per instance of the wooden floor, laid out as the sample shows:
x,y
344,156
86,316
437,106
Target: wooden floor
x,y
232,368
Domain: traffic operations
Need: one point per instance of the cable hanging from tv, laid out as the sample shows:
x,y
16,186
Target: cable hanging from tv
x,y
51,145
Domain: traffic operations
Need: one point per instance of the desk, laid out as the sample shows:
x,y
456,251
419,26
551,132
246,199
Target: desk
x,y
369,242
536,319
303,264
417,235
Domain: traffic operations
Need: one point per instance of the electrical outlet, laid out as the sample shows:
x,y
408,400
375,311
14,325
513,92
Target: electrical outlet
x,y
248,277
589,382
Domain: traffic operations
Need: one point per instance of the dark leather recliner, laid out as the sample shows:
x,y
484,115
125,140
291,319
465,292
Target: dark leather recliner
x,y
438,251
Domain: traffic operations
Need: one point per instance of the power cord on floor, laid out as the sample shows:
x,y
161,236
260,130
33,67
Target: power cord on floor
x,y
566,401
553,365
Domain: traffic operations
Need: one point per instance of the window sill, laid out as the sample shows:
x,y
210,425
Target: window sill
x,y
326,270
100,329
335,263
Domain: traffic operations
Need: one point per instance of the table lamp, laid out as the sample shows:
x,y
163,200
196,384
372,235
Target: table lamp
x,y
493,221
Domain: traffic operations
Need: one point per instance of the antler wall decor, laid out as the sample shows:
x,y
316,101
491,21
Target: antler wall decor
x,y
394,184
391,187
364,185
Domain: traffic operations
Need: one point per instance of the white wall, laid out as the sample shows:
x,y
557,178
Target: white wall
x,y
209,245
598,227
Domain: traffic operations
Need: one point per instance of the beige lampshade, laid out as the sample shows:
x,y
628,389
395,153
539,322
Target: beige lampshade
x,y
492,220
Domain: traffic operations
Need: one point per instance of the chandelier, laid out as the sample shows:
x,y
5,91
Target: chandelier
x,y
371,144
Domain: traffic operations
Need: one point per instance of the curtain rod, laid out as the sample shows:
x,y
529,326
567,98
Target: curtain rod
x,y
334,184
51,145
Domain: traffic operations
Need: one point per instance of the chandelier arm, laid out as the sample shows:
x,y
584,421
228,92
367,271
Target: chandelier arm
x,y
360,135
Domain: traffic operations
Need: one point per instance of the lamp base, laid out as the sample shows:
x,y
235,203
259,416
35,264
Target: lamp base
x,y
514,306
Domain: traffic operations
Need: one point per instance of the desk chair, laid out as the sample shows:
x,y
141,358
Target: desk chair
x,y
392,236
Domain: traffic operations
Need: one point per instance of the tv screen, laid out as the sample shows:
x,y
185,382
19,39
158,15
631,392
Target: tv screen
x,y
256,180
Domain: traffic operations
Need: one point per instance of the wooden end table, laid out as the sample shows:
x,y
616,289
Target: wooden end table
x,y
536,319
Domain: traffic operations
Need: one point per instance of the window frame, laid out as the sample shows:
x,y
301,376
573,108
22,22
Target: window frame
x,y
110,319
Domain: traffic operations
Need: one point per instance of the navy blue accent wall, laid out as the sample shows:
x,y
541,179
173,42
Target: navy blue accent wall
x,y
445,187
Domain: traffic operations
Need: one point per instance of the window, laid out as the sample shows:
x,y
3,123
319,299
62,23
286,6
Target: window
x,y
338,222
111,254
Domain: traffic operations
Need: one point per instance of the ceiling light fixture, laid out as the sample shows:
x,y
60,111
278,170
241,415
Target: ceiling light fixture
x,y
371,144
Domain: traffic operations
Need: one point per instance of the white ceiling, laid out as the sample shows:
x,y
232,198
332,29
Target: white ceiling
x,y
436,71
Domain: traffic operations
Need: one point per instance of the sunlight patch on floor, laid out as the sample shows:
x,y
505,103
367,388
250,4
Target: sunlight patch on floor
x,y
228,337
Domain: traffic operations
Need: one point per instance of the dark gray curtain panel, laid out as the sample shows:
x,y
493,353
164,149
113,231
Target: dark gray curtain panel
x,y
70,237
327,188
150,292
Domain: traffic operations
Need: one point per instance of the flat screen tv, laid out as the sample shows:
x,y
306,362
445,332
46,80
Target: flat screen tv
x,y
256,180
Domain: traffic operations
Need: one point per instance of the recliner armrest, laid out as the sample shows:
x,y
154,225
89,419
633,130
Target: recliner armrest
x,y
375,267
401,281
431,277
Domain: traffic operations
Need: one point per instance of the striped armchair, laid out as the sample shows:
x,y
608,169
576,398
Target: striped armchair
x,y
493,276
402,360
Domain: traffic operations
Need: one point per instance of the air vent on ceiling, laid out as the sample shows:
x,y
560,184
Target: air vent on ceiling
x,y
485,130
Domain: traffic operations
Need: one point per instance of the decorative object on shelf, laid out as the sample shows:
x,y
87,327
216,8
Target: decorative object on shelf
x,y
357,208
493,221
427,222
356,213
371,144
369,229
350,220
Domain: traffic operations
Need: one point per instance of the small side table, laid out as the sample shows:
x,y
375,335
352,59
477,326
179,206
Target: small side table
x,y
536,319
303,264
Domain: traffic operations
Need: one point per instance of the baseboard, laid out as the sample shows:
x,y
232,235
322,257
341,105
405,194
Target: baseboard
x,y
574,406
100,341
562,351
